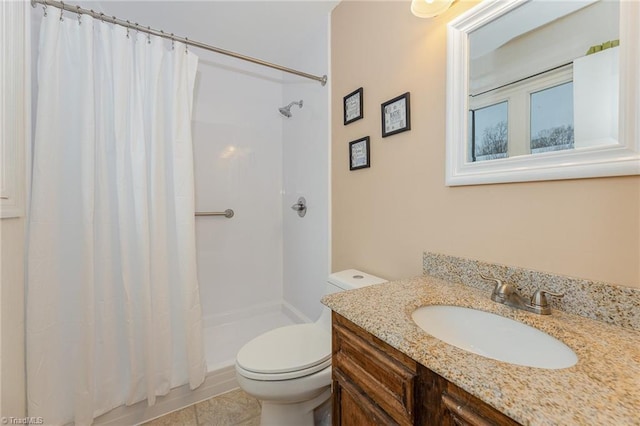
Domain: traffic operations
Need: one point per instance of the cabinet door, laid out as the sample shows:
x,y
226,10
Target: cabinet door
x,y
351,407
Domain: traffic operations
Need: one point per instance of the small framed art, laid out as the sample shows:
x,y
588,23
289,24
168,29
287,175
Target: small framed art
x,y
353,106
396,115
359,154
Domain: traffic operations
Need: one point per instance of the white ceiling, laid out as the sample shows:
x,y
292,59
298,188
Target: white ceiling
x,y
273,31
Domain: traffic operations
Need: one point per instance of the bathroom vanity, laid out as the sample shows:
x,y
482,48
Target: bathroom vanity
x,y
373,383
387,370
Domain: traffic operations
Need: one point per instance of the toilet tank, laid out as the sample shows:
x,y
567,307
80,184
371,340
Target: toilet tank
x,y
341,281
350,279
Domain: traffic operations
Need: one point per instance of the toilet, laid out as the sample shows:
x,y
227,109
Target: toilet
x,y
289,368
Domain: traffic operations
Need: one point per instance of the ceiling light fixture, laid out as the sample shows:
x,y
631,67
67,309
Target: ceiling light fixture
x,y
429,8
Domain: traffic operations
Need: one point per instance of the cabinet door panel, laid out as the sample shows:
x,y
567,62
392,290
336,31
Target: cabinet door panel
x,y
353,408
386,383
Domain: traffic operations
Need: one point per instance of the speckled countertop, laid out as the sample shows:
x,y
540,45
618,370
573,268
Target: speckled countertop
x,y
603,388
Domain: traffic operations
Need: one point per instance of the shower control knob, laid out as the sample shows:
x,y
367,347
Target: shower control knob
x,y
300,207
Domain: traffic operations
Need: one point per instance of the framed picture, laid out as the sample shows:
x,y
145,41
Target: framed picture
x,y
353,106
359,154
396,116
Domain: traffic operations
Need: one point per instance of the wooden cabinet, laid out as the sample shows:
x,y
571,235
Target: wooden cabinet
x,y
375,384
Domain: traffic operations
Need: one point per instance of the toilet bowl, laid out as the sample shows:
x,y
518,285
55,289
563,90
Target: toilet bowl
x,y
289,368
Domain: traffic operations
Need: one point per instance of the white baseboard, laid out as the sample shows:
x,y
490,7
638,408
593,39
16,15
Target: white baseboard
x,y
216,383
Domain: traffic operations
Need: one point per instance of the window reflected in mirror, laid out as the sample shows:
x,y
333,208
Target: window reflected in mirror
x,y
552,119
488,133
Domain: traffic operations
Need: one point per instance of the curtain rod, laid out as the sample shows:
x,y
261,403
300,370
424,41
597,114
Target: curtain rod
x,y
113,20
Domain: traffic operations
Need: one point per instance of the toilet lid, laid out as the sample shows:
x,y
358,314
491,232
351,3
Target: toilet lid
x,y
286,349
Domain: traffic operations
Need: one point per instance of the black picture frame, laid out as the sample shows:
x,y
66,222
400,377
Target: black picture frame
x,y
352,106
396,115
359,154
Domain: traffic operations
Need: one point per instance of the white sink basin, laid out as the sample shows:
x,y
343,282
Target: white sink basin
x,y
493,336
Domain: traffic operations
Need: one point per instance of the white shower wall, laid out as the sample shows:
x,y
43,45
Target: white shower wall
x,y
265,267
306,173
237,136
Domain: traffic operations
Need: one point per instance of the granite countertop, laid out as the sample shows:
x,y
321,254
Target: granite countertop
x,y
603,388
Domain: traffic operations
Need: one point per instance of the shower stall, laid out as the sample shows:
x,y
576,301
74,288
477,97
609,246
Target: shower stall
x,y
266,266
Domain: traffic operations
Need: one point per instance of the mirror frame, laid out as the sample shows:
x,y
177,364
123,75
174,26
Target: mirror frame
x,y
620,159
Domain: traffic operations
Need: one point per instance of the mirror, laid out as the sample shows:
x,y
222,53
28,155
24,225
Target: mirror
x,y
540,90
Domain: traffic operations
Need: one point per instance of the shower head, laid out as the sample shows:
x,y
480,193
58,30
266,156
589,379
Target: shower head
x,y
286,111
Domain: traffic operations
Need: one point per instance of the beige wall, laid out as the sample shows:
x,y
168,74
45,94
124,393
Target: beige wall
x,y
12,353
13,136
384,217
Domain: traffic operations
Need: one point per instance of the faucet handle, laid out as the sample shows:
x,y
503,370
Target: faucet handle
x,y
501,290
497,281
539,298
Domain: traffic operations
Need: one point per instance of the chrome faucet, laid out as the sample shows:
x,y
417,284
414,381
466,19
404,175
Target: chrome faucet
x,y
507,294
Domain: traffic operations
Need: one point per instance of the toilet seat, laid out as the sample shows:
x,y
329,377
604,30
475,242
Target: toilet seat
x,y
286,353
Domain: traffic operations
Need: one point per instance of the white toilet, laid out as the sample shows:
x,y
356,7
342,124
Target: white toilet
x,y
289,369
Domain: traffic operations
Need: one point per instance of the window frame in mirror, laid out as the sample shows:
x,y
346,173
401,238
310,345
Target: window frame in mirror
x,y
619,159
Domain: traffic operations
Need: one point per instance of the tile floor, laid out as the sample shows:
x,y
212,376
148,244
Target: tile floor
x,y
234,408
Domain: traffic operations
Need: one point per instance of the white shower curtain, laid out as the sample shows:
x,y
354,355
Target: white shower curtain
x,y
113,310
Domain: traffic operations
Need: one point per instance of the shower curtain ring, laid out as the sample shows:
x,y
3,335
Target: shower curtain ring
x,y
61,11
79,15
173,42
44,8
186,45
128,27
149,35
101,17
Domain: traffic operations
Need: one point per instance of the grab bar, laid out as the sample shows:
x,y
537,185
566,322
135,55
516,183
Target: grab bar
x,y
228,213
